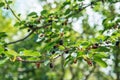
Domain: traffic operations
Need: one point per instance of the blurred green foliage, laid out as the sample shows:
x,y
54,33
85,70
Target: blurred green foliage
x,y
52,50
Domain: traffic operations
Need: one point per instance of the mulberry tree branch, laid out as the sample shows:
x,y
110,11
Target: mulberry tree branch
x,y
12,11
33,30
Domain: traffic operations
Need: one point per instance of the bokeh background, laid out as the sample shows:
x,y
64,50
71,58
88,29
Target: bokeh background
x,y
86,26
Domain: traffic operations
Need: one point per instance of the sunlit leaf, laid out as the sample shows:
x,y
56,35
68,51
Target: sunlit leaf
x,y
11,53
1,49
30,53
101,55
61,47
100,62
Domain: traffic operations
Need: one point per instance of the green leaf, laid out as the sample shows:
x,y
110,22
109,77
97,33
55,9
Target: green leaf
x,y
44,12
3,61
17,24
66,62
1,49
19,14
32,14
46,62
101,55
61,47
47,47
11,53
100,62
66,2
3,34
9,2
103,49
69,59
67,11
80,53
85,43
30,53
2,4
107,23
80,0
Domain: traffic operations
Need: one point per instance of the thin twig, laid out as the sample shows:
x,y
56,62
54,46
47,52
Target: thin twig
x,y
33,30
12,11
92,3
39,61
21,39
57,57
